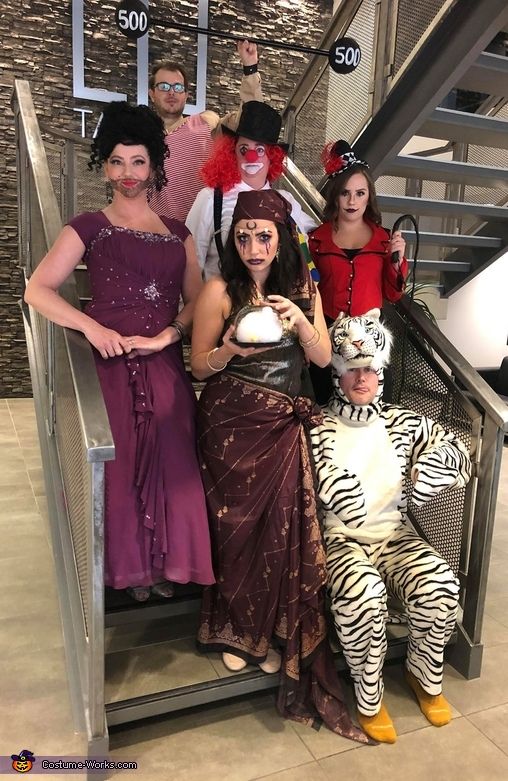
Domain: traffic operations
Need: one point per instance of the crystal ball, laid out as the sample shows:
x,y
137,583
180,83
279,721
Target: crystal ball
x,y
258,324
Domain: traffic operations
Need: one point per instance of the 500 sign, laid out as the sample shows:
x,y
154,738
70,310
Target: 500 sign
x,y
345,55
132,18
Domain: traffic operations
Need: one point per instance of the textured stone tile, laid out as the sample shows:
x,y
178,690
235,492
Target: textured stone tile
x,y
30,632
23,539
489,690
27,570
493,723
44,725
493,632
497,584
457,752
497,608
399,701
236,741
120,638
32,675
23,504
31,597
307,772
155,668
14,478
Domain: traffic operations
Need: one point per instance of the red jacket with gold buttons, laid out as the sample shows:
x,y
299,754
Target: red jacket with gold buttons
x,y
357,285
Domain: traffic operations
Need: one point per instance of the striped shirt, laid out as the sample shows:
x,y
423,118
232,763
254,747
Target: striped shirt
x,y
190,145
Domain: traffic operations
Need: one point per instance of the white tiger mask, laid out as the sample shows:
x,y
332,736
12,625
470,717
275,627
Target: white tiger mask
x,y
359,341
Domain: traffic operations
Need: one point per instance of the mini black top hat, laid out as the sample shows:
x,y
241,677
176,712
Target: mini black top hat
x,y
338,156
259,122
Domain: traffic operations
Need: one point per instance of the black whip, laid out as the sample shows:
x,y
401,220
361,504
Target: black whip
x,y
395,259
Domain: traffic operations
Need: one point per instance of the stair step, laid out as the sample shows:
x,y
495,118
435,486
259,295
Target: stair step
x,y
404,204
489,74
454,240
451,171
462,267
467,128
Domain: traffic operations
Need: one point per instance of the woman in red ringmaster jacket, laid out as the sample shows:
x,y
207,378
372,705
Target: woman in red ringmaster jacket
x,y
351,250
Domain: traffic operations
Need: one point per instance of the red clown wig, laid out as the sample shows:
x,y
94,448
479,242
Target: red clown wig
x,y
221,169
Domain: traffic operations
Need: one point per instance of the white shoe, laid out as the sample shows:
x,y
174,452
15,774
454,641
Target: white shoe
x,y
272,662
233,663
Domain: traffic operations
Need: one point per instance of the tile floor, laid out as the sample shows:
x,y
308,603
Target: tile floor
x,y
239,741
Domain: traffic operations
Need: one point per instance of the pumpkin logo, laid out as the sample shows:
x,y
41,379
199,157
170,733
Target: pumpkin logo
x,y
23,762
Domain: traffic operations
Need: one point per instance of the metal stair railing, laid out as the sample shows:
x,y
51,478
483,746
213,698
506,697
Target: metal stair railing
x,y
74,435
483,419
415,53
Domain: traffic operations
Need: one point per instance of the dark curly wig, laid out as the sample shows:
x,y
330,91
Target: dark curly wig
x,y
284,271
130,125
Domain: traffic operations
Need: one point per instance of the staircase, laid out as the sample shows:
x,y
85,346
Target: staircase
x,y
446,166
458,198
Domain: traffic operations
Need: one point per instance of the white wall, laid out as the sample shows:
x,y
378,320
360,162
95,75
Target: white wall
x,y
477,316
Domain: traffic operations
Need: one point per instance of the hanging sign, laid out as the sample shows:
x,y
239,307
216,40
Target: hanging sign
x,y
132,18
344,55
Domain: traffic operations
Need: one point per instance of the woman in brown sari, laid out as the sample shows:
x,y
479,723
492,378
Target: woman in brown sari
x,y
267,605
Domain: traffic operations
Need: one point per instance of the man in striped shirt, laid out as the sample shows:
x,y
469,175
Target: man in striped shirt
x,y
190,138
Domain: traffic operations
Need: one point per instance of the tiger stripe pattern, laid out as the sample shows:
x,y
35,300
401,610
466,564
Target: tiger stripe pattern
x,y
440,458
360,573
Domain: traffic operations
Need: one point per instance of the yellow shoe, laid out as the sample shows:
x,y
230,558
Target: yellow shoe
x,y
434,707
379,727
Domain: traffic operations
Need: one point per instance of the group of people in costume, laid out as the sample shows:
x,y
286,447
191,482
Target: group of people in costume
x,y
266,499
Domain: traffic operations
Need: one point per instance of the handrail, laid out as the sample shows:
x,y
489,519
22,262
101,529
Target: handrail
x,y
457,364
93,416
460,368
460,38
339,24
22,101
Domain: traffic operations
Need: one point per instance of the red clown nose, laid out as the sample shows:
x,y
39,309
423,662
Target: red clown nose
x,y
251,156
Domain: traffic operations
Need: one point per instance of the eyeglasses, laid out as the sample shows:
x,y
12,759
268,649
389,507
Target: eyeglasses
x,y
165,86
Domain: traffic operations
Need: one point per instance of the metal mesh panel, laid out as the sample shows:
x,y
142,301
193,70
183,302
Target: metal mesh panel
x,y
91,187
391,185
54,154
339,104
488,156
76,472
414,17
420,387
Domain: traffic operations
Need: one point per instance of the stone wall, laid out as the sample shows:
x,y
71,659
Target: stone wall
x,y
37,46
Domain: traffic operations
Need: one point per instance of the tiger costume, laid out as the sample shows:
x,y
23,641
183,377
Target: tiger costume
x,y
362,454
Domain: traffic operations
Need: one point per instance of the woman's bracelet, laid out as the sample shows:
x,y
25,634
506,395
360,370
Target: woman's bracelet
x,y
313,341
210,366
179,328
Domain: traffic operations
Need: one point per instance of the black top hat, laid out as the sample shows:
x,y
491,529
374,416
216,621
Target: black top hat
x,y
338,156
259,122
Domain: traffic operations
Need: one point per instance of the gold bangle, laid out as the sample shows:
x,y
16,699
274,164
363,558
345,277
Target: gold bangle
x,y
314,339
214,368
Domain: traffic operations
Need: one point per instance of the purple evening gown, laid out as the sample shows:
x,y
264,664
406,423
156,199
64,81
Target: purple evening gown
x,y
156,524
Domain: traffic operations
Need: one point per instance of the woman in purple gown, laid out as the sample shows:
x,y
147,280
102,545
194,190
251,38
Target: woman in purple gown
x,y
156,527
